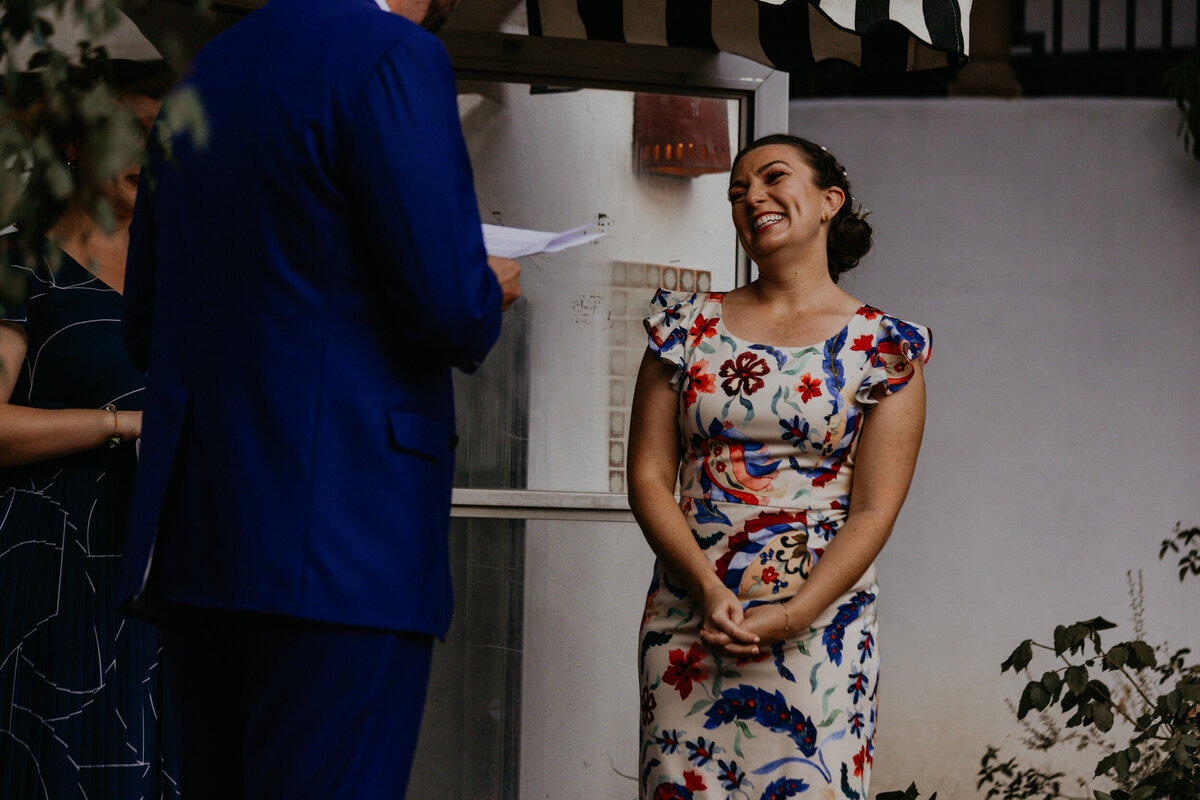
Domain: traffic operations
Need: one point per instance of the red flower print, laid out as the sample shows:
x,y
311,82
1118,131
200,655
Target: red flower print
x,y
743,375
702,329
698,380
862,760
693,781
755,658
684,669
863,343
769,575
670,791
809,387
869,313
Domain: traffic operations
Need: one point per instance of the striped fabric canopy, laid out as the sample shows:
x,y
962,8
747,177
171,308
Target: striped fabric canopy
x,y
787,34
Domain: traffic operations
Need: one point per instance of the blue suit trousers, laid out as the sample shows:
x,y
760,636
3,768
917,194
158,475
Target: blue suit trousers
x,y
275,707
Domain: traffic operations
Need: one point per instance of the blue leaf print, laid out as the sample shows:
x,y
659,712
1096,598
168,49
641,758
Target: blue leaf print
x,y
784,672
835,378
707,511
779,356
756,460
784,787
768,709
835,631
650,765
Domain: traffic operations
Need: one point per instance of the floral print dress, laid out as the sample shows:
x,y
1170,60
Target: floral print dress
x,y
769,439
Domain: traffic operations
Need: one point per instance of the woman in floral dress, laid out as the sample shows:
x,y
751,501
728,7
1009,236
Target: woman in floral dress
x,y
778,407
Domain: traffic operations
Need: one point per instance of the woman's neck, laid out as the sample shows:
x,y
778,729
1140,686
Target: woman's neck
x,y
103,252
795,283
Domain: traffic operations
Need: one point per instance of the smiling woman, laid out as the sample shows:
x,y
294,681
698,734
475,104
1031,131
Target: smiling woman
x,y
759,663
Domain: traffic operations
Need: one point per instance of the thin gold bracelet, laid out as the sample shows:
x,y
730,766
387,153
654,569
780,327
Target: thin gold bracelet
x,y
786,626
115,439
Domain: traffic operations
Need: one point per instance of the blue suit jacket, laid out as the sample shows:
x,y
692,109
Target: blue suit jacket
x,y
298,290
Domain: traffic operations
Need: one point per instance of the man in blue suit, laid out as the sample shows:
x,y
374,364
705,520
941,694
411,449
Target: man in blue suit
x,y
298,290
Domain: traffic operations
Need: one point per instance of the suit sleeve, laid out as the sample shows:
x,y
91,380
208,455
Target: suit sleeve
x,y
138,313
414,192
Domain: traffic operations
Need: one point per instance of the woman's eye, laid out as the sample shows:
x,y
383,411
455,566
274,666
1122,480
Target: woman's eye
x,y
774,176
735,196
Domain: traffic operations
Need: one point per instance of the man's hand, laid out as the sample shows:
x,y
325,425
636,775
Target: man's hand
x,y
508,273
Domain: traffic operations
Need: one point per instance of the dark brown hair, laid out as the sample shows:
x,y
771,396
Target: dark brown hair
x,y
151,79
849,232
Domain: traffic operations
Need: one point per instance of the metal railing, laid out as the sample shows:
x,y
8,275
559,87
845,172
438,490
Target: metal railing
x,y
1100,47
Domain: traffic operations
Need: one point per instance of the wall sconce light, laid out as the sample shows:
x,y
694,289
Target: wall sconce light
x,y
679,135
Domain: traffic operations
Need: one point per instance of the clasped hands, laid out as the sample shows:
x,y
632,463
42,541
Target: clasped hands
x,y
728,629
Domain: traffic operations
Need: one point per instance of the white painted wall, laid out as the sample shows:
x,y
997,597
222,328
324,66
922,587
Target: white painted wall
x,y
1054,248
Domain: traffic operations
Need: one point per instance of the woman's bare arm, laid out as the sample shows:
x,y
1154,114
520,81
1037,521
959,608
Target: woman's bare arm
x,y
29,435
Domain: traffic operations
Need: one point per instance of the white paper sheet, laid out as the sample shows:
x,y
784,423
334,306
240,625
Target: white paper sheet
x,y
517,242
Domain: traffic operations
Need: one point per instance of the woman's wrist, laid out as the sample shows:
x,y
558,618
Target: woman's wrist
x,y
114,438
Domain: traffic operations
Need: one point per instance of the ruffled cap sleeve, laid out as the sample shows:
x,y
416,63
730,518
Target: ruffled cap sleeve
x,y
898,345
667,328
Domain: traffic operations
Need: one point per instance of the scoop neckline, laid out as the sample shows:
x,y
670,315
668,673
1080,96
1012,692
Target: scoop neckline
x,y
720,301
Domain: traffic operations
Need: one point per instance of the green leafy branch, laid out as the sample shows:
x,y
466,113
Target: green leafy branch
x,y
63,136
1006,779
1161,759
1166,730
1190,562
1182,82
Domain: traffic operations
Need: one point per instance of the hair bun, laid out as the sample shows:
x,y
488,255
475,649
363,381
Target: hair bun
x,y
849,240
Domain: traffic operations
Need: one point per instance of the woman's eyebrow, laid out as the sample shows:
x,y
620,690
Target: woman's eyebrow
x,y
764,167
759,171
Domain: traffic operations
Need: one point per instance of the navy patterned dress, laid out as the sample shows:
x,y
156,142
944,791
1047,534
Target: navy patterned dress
x,y
81,715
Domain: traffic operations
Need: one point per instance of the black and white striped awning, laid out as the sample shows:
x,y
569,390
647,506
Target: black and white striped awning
x,y
787,34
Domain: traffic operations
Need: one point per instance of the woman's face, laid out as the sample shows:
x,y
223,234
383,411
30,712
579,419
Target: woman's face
x,y
776,204
121,191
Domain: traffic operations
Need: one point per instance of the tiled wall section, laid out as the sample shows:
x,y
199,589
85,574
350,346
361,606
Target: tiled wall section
x,y
632,287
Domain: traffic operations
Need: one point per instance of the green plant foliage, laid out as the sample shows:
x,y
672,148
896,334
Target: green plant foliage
x,y
1182,82
1190,562
1007,780
1138,704
910,793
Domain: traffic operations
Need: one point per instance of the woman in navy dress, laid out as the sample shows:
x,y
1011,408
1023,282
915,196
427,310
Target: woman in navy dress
x,y
80,714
